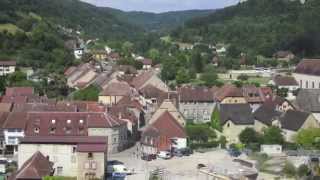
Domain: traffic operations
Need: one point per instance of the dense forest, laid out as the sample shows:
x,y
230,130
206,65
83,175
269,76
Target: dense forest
x,y
259,27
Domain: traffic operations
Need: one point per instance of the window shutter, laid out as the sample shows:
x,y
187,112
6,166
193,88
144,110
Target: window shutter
x,y
94,165
87,165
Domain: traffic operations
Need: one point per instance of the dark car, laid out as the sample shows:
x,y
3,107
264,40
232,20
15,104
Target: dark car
x,y
177,153
234,152
187,151
146,157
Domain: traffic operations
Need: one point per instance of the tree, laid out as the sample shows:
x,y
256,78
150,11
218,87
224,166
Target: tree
x,y
308,138
154,54
182,76
215,120
243,77
289,170
209,76
303,170
272,135
127,48
249,135
282,92
90,93
197,62
200,133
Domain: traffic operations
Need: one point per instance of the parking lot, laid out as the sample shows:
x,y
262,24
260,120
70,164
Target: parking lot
x,y
176,168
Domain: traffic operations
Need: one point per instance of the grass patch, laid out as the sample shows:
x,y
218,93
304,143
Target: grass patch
x,y
260,80
10,28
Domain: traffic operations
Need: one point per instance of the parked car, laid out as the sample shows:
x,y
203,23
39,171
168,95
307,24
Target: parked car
x,y
147,157
234,152
187,151
177,153
164,155
116,167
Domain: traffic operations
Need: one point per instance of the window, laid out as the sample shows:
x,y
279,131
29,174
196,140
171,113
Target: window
x,y
74,149
90,155
36,130
69,121
301,84
312,85
53,121
307,84
52,130
59,170
228,125
81,121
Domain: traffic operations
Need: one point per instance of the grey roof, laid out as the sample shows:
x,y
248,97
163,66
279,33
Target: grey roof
x,y
309,100
240,114
293,120
266,114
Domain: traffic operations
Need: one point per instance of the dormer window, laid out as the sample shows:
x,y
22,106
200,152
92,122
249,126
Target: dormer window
x,y
68,121
53,121
67,130
36,130
52,130
81,121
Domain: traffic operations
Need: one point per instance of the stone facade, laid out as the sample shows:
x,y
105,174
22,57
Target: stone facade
x,y
197,112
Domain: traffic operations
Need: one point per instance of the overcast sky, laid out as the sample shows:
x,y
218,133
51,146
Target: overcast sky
x,y
162,5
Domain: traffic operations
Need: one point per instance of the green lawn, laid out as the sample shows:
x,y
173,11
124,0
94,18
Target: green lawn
x,y
260,80
11,28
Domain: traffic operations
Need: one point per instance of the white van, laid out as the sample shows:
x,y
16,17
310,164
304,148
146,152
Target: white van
x,y
164,155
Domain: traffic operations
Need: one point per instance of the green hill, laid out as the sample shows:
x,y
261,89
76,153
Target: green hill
x,y
260,27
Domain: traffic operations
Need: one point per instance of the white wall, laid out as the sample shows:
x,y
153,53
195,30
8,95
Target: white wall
x,y
307,81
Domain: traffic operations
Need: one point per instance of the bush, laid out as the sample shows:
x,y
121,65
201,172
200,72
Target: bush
x,y
303,170
289,170
212,144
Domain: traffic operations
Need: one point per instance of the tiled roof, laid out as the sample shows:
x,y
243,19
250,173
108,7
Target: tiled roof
x,y
166,125
5,107
147,61
117,89
64,140
16,120
266,114
150,91
70,70
19,91
309,66
196,94
252,94
141,79
293,120
239,114
14,99
8,63
123,112
309,100
91,147
285,81
228,90
36,167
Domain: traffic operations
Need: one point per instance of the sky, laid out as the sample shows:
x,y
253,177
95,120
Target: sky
x,y
162,5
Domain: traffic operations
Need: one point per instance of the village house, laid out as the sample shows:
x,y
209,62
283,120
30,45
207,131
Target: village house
x,y
99,55
147,64
286,82
285,56
158,135
307,74
149,78
308,100
36,167
78,53
114,92
196,103
230,94
254,96
293,121
266,116
81,76
7,67
113,56
81,157
234,118
168,106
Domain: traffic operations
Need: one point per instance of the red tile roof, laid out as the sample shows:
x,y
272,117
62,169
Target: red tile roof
x,y
64,140
147,62
14,99
166,125
8,63
123,112
70,70
19,91
309,66
285,81
16,120
228,90
91,147
5,107
36,167
252,94
140,80
117,89
196,94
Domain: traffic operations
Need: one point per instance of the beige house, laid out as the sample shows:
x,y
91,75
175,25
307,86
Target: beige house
x,y
229,94
234,118
80,157
149,78
293,121
168,106
307,74
7,67
114,92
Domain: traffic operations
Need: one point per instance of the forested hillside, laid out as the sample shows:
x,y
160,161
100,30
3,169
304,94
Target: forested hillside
x,y
260,27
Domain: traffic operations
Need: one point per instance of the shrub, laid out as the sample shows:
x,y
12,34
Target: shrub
x,y
289,170
303,170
